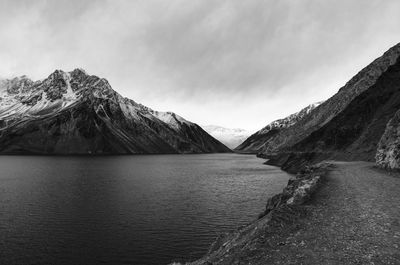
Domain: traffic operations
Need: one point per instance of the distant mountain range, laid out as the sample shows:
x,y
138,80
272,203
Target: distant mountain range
x,y
230,137
357,123
77,113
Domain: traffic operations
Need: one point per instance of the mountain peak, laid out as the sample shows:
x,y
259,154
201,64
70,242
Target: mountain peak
x,y
80,71
77,73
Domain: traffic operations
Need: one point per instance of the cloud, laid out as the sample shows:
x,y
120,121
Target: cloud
x,y
232,63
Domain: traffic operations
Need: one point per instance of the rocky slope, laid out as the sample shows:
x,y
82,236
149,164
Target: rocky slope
x,y
77,113
353,132
229,137
260,140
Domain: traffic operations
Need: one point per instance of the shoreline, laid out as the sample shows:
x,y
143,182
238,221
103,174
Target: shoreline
x,y
280,210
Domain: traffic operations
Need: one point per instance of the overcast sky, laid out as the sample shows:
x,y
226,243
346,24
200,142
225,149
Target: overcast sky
x,y
231,63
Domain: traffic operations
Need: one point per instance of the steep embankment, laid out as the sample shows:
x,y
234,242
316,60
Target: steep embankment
x,y
349,220
77,113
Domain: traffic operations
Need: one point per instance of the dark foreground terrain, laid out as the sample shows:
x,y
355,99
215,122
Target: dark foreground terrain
x,y
353,218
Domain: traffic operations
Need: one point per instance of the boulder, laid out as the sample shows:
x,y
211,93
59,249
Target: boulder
x,y
388,151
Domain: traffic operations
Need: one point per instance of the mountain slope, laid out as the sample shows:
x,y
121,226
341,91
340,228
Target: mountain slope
x,y
230,137
324,113
76,113
354,133
260,140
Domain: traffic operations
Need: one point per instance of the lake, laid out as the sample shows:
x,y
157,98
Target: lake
x,y
144,209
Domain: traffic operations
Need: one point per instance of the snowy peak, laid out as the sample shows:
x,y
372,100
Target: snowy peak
x,y
58,86
59,90
22,96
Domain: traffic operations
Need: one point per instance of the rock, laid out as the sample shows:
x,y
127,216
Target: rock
x,y
299,188
388,151
304,190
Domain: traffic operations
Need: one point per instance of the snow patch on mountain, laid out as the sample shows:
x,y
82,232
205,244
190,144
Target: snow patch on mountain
x,y
21,96
170,118
289,120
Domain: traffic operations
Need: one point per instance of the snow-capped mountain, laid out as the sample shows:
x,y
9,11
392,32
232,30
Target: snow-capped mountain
x,y
230,137
258,140
73,112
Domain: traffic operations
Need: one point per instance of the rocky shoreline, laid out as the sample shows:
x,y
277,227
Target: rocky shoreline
x,y
282,209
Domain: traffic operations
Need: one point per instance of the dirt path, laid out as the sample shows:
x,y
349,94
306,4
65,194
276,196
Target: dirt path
x,y
354,218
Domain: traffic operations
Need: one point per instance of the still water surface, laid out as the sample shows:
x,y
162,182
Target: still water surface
x,y
150,209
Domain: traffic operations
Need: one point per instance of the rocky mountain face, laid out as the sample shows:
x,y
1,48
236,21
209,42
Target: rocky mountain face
x,y
229,137
261,140
77,113
350,124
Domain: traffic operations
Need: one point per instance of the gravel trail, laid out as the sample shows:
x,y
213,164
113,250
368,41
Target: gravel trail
x,y
354,218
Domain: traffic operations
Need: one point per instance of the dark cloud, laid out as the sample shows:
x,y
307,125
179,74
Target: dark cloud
x,y
233,63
